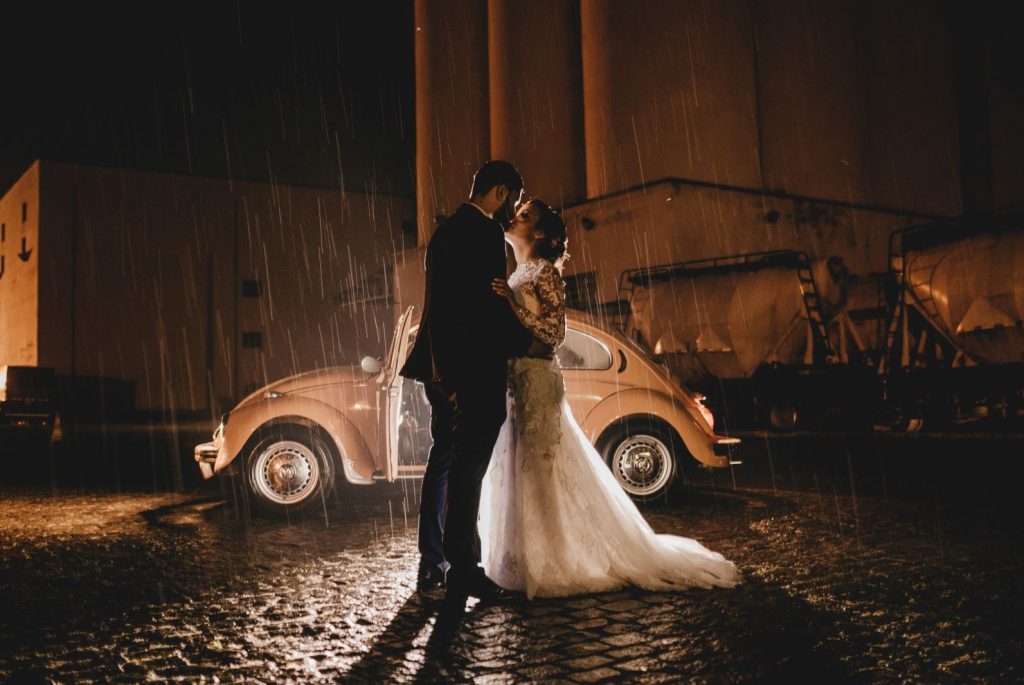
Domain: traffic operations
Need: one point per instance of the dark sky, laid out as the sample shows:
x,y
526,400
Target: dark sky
x,y
213,89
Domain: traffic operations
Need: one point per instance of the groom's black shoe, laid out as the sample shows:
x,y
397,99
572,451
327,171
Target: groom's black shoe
x,y
460,586
429,578
492,593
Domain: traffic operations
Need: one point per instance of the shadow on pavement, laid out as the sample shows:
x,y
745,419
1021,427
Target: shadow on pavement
x,y
391,650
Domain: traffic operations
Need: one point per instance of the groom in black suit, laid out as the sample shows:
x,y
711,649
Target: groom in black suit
x,y
467,335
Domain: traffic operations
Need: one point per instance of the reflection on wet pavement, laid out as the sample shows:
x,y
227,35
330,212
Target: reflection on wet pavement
x,y
131,587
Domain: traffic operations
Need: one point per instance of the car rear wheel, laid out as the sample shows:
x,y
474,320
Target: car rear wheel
x,y
289,470
642,458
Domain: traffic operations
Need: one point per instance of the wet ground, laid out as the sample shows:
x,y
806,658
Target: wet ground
x,y
861,564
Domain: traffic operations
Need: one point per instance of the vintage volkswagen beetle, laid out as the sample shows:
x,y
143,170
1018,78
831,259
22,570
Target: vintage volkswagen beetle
x,y
290,439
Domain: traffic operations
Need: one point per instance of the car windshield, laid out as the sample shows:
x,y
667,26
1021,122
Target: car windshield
x,y
396,342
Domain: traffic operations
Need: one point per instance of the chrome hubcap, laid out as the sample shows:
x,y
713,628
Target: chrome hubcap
x,y
642,464
286,472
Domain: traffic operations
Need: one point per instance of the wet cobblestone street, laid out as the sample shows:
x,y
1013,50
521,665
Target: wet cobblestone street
x,y
838,587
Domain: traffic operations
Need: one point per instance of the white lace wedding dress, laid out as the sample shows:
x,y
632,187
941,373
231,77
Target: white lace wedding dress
x,y
553,521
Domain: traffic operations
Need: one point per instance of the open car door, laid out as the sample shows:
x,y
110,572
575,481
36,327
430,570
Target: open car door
x,y
408,414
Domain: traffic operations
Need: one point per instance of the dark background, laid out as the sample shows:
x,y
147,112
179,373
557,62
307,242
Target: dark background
x,y
311,93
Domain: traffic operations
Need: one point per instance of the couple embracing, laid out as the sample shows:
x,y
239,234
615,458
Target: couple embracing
x,y
515,499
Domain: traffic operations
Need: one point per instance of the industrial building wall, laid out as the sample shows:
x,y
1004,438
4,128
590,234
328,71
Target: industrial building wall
x,y
1007,105
198,290
133,299
840,100
670,90
912,152
19,271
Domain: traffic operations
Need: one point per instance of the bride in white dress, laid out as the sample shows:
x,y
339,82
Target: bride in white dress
x,y
553,521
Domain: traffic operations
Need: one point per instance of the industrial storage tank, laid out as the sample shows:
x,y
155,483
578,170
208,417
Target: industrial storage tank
x,y
972,289
954,348
723,324
937,340
769,337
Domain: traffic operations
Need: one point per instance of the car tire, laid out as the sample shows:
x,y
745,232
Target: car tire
x,y
643,455
289,470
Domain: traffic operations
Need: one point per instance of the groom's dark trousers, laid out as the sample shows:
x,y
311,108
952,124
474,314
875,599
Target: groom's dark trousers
x,y
435,479
464,424
467,335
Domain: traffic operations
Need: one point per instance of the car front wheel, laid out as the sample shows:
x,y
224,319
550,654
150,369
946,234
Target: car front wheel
x,y
641,456
289,470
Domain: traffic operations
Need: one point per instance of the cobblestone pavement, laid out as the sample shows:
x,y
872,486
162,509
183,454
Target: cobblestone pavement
x,y
132,587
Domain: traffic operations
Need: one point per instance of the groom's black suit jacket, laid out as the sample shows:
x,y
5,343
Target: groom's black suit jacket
x,y
467,331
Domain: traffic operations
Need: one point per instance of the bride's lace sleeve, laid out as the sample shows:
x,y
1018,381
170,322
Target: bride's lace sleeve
x,y
549,289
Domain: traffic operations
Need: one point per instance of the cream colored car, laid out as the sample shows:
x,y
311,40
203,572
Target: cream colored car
x,y
293,439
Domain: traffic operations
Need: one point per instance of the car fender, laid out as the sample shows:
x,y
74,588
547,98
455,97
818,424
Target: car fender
x,y
356,459
651,403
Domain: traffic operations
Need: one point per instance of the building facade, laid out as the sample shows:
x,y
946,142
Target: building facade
x,y
160,292
674,131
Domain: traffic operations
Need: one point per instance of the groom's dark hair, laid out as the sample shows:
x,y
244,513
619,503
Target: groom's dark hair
x,y
496,172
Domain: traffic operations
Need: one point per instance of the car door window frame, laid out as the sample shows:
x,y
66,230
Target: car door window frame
x,y
591,340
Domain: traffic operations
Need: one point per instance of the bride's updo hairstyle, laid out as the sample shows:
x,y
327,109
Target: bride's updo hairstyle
x,y
552,246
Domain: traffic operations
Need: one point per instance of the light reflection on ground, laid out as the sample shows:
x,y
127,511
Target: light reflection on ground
x,y
101,587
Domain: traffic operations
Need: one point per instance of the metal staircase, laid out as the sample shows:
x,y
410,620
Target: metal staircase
x,y
910,284
896,306
812,304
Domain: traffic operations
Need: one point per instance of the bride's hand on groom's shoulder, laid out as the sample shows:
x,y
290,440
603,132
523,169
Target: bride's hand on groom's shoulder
x,y
500,286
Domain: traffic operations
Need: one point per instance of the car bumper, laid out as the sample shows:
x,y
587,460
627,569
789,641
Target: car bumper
x,y
725,446
30,421
206,456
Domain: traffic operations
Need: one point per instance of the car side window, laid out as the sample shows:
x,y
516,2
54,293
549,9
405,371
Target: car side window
x,y
582,351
